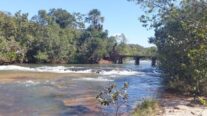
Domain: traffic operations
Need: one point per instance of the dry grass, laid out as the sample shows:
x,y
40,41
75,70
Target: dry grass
x,y
147,108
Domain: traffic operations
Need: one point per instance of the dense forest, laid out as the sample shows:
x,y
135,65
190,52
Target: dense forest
x,y
58,36
181,39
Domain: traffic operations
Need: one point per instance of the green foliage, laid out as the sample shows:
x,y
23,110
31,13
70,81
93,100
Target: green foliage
x,y
147,108
56,36
203,101
123,48
95,19
181,40
10,51
114,96
41,57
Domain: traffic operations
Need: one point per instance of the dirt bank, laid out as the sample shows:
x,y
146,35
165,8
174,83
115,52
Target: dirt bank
x,y
102,61
174,105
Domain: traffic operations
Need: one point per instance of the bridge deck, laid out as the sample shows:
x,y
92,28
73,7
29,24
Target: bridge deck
x,y
136,56
137,59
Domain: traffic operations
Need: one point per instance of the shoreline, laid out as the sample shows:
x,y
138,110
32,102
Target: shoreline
x,y
177,105
101,61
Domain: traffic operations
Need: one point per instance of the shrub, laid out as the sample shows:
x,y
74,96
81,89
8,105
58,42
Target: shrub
x,y
147,108
112,95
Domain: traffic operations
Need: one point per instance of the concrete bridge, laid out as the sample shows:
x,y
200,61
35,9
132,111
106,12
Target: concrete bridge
x,y
137,58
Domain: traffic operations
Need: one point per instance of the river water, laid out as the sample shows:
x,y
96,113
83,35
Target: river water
x,y
67,90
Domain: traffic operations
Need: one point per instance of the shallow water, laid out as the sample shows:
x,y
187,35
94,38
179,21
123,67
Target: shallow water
x,y
70,89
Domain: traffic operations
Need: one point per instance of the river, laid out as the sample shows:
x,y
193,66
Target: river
x,y
62,90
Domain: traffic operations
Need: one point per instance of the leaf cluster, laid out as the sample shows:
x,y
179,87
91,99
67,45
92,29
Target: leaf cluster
x,y
112,95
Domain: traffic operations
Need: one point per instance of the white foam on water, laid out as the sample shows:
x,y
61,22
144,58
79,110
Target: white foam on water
x,y
145,61
119,72
14,67
56,69
28,83
63,69
94,79
156,72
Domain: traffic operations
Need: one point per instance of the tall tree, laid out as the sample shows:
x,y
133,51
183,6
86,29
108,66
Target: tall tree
x,y
62,17
95,19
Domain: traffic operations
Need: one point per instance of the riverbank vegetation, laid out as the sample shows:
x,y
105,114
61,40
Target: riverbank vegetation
x,y
148,107
114,97
181,39
58,36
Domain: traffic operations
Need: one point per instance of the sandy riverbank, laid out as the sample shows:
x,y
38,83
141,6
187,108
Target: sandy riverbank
x,y
181,106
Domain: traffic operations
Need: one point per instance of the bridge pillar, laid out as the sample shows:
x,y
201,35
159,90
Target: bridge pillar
x,y
153,61
137,60
120,61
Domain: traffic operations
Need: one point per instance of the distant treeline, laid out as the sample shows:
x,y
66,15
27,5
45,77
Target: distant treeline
x,y
58,36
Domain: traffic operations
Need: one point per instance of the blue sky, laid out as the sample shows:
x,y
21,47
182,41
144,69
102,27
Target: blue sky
x,y
121,16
